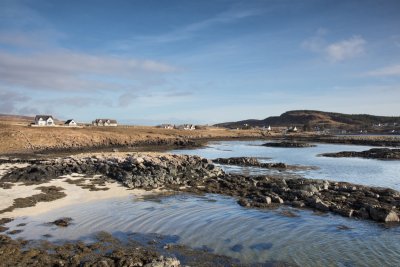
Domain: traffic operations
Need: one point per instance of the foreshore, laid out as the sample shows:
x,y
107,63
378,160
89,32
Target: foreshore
x,y
53,168
24,140
159,171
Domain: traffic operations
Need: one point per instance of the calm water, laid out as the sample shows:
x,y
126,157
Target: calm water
x,y
220,224
356,170
251,235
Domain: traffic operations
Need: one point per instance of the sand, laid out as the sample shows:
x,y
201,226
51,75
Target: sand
x,y
75,194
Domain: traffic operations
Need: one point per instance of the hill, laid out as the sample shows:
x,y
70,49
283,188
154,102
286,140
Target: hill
x,y
314,118
7,119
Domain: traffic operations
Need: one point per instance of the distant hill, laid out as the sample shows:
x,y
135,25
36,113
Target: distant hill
x,y
19,119
16,118
314,118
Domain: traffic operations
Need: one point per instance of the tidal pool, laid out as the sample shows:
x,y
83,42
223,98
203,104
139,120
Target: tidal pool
x,y
371,172
218,223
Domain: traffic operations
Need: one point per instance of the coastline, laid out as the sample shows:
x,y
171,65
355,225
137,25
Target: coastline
x,y
74,188
23,141
250,191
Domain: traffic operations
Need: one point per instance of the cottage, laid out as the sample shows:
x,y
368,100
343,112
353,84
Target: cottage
x,y
104,122
189,127
44,120
292,129
70,123
167,126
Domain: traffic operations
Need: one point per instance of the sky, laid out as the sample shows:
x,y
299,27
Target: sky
x,y
150,62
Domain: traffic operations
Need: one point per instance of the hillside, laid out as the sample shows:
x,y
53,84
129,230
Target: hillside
x,y
20,119
313,118
16,118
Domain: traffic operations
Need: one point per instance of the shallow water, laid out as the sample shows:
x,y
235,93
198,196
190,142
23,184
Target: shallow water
x,y
223,226
373,172
251,235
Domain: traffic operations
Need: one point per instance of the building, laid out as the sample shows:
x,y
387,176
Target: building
x,y
71,123
189,127
44,120
167,126
104,122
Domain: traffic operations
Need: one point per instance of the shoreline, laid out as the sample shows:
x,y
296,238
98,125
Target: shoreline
x,y
147,146
95,176
40,142
194,174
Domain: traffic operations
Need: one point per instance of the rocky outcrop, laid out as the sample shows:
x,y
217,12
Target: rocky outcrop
x,y
374,153
104,252
287,144
249,162
62,222
349,200
199,175
364,140
253,162
139,171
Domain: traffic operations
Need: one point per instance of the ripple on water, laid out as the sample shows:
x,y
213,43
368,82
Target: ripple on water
x,y
220,224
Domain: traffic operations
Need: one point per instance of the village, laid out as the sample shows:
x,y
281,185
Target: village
x,y
50,121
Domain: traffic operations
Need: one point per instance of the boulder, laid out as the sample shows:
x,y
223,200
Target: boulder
x,y
381,214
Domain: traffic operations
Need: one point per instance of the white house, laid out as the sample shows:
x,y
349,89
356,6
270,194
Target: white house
x,y
104,122
189,127
44,120
167,126
71,123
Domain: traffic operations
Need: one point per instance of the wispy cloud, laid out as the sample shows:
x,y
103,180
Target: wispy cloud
x,y
9,101
346,49
126,99
336,51
191,30
68,70
393,70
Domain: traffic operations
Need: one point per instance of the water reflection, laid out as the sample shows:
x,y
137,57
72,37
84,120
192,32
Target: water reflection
x,y
356,170
221,225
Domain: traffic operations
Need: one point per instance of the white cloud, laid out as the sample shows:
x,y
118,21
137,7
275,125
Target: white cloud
x,y
393,70
345,49
68,70
337,51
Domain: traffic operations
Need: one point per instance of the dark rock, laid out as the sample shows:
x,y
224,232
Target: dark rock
x,y
381,214
249,162
14,232
62,222
287,144
373,153
237,248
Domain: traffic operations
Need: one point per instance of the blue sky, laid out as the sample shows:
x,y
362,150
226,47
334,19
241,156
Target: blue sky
x,y
151,62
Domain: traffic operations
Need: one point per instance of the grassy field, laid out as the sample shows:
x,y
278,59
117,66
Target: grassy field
x,y
18,137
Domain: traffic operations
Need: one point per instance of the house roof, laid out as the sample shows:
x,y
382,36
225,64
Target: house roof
x,y
104,120
69,121
44,117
